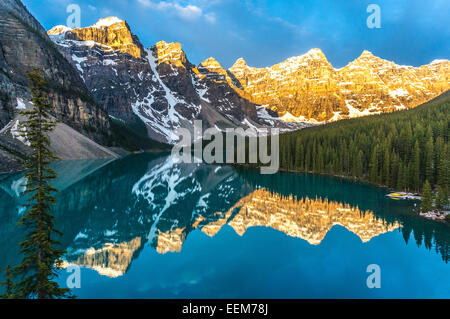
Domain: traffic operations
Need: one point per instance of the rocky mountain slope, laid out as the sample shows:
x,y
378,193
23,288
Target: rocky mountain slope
x,y
25,45
307,87
158,86
65,142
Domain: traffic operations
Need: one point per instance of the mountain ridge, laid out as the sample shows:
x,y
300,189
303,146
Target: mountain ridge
x,y
366,85
297,92
160,86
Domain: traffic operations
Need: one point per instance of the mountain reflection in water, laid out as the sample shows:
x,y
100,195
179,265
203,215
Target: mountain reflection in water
x,y
308,219
110,210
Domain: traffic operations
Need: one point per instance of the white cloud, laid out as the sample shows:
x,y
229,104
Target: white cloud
x,y
188,12
210,17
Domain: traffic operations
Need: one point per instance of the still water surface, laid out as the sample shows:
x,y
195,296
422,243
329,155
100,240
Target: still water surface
x,y
144,227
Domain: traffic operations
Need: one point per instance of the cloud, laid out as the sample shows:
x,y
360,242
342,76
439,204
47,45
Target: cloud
x,y
210,17
188,12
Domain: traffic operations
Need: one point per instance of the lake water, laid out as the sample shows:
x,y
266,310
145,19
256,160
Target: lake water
x,y
144,227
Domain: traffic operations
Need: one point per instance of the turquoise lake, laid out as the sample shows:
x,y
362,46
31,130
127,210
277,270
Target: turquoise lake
x,y
145,227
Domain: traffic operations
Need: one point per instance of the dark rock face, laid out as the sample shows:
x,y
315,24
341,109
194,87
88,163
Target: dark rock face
x,y
221,94
24,45
12,155
205,84
7,91
117,72
114,78
175,71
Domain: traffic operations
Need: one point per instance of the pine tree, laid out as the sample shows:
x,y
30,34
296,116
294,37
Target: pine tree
x,y
439,156
401,176
429,167
395,167
41,259
443,170
427,198
415,167
373,173
299,154
386,168
441,198
8,284
359,165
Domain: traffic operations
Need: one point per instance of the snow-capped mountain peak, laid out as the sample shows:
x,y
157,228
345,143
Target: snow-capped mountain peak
x,y
211,63
107,22
59,29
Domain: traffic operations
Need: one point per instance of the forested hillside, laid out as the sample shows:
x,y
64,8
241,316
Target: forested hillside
x,y
400,150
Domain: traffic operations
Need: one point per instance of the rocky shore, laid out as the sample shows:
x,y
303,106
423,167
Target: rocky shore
x,y
435,215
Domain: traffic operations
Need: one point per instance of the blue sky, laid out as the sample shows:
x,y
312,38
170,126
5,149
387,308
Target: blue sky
x,y
265,32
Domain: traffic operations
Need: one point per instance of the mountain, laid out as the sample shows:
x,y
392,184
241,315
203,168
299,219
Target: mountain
x,y
307,87
158,85
24,45
164,90
84,126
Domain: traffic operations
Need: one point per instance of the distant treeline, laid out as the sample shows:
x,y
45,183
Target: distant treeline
x,y
399,150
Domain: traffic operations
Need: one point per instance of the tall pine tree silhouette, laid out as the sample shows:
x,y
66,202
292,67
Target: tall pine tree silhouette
x,y
41,261
427,198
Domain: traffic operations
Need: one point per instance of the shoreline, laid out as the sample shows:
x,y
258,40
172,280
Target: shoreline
x,y
436,215
432,215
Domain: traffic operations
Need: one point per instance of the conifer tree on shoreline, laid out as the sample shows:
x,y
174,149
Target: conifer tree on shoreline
x,y
441,198
41,258
427,198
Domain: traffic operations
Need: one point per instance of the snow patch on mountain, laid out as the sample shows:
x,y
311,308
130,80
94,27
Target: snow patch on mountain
x,y
398,92
7,127
78,61
107,22
18,132
167,121
354,112
288,117
20,104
